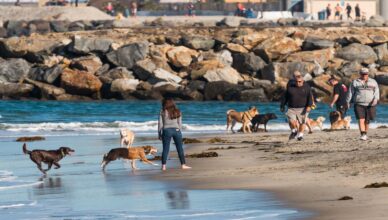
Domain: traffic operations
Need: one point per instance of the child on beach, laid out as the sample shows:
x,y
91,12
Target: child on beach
x,y
170,126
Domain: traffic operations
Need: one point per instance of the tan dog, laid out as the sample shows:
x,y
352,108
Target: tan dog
x,y
135,153
245,118
126,137
341,123
311,123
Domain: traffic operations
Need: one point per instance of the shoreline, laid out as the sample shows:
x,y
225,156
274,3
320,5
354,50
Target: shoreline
x,y
308,176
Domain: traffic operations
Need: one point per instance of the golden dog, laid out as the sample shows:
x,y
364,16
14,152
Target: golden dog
x,y
311,123
245,118
341,123
126,137
135,153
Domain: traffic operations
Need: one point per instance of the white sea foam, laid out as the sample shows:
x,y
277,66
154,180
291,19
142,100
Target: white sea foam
x,y
9,181
17,205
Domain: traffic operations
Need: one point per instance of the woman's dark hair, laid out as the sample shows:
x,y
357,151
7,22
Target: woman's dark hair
x,y
169,106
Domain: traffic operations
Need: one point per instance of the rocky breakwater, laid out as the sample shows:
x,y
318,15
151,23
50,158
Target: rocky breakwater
x,y
229,63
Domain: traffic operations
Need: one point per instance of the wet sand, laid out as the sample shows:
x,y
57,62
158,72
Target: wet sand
x,y
310,175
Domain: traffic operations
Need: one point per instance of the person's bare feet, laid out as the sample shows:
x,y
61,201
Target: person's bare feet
x,y
185,167
164,168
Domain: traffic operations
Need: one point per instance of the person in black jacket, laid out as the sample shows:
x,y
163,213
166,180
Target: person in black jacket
x,y
339,96
299,100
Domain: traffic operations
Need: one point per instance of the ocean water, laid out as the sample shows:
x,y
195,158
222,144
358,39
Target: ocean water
x,y
79,190
96,118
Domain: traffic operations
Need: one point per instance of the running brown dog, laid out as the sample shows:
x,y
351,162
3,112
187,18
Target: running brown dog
x,y
49,157
232,116
134,153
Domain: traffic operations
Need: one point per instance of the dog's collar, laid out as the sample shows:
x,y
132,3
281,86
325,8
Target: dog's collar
x,y
248,115
63,154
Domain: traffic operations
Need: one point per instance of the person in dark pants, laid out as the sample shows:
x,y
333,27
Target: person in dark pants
x,y
328,12
348,11
339,96
364,93
169,127
298,98
358,12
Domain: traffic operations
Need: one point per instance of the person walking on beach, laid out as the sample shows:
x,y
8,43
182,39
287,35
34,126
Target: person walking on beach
x,y
358,12
298,98
170,127
348,11
191,9
339,96
133,9
338,11
364,93
328,12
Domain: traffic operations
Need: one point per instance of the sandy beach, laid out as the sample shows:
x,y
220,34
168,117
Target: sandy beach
x,y
310,175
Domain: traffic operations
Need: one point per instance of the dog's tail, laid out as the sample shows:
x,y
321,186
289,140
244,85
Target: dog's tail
x,y
25,151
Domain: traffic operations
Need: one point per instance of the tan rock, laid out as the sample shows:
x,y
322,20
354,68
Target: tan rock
x,y
124,85
358,38
181,56
199,69
236,48
321,83
252,40
384,69
90,64
80,82
48,91
276,47
335,63
320,56
227,74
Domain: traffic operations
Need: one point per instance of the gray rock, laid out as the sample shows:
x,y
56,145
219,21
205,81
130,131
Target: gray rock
x,y
196,85
124,85
227,74
253,95
248,63
45,74
128,55
90,64
382,54
76,26
39,26
14,70
116,73
144,69
3,32
275,71
86,45
15,90
382,78
164,75
47,91
351,68
198,42
357,52
314,43
375,21
16,28
229,22
59,26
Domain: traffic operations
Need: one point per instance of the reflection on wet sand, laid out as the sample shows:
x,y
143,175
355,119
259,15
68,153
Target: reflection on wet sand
x,y
50,185
177,199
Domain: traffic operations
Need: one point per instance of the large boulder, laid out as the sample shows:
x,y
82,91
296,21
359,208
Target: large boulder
x,y
221,90
382,54
124,85
16,28
47,91
59,26
15,90
199,69
39,26
276,71
248,63
236,48
86,45
320,56
181,56
227,74
276,47
116,73
198,42
144,68
79,82
196,85
253,95
314,43
164,75
375,21
13,70
357,52
229,22
382,78
89,64
351,68
45,74
128,55
321,83
252,40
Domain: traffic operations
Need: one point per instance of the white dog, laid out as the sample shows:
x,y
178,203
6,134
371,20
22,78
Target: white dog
x,y
126,137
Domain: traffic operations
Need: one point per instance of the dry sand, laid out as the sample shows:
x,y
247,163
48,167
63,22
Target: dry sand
x,y
310,175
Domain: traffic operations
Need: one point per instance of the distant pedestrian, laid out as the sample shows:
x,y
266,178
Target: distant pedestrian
x,y
364,93
109,9
328,12
133,9
338,10
298,98
348,11
339,96
191,9
358,12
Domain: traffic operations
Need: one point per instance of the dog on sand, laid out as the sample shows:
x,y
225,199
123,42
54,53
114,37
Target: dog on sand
x,y
133,154
334,116
49,157
126,137
232,116
311,123
342,123
262,119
